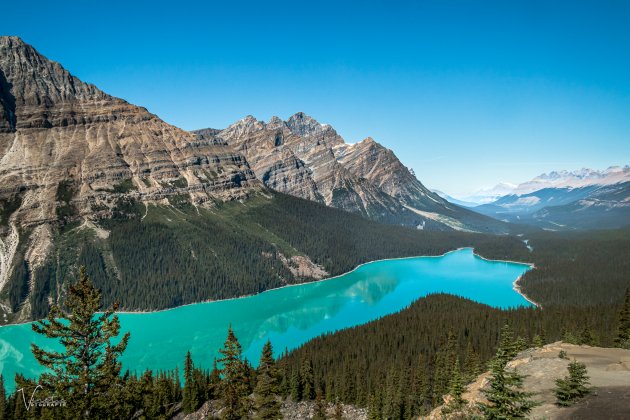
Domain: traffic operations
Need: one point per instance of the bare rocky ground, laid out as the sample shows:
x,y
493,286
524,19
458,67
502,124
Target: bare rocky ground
x,y
291,410
608,368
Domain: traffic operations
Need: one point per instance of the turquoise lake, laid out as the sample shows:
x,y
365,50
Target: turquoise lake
x,y
288,316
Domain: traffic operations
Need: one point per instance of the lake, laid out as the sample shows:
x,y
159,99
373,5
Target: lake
x,y
288,316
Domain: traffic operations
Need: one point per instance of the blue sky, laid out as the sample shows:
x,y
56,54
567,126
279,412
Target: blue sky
x,y
466,93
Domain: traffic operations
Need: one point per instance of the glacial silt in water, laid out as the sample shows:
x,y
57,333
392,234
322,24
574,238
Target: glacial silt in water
x,y
288,316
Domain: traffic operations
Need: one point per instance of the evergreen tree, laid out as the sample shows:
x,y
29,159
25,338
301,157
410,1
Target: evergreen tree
x,y
266,401
307,379
587,337
623,331
375,407
520,344
572,387
296,385
569,337
320,406
457,388
86,372
505,398
190,401
214,381
233,387
507,346
537,341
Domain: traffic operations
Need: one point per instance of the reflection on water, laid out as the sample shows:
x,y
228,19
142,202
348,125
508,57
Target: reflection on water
x,y
289,316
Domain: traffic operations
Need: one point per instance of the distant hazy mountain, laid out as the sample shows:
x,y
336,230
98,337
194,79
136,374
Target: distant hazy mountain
x,y
454,200
584,198
488,195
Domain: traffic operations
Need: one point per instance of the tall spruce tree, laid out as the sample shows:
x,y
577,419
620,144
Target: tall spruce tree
x,y
267,404
87,372
233,387
506,400
190,401
572,387
307,378
623,330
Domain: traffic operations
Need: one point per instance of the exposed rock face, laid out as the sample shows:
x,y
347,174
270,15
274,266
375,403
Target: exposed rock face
x,y
310,160
297,157
608,369
66,145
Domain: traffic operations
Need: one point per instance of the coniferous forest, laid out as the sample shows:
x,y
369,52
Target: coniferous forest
x,y
159,257
399,366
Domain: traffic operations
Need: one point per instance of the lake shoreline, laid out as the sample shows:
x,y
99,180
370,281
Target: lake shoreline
x,y
516,287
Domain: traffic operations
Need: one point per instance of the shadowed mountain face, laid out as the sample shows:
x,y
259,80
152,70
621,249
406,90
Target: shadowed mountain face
x,y
310,160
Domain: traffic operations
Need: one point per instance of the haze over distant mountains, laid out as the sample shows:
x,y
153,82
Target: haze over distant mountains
x,y
554,179
584,198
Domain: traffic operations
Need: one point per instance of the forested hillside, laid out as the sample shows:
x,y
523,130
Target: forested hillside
x,y
400,365
161,256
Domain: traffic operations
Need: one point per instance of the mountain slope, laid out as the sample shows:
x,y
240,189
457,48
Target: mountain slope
x,y
310,160
588,207
162,217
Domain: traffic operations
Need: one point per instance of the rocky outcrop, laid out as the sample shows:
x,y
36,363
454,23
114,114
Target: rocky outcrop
x,y
290,410
608,369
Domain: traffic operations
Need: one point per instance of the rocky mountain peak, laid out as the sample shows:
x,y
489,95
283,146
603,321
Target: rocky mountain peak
x,y
35,79
275,123
304,125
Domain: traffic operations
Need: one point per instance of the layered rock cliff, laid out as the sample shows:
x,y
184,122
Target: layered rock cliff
x,y
69,152
310,160
297,157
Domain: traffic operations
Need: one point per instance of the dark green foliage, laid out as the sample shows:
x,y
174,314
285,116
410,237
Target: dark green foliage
x,y
573,387
505,398
562,354
66,211
233,387
8,206
537,341
587,337
623,329
267,405
456,389
124,186
191,397
17,287
87,370
307,380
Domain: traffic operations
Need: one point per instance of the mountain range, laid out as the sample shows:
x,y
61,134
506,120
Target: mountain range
x,y
579,199
162,217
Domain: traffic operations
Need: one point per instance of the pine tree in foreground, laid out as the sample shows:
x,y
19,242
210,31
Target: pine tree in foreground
x,y
506,400
233,388
268,380
87,371
456,389
190,401
573,387
623,333
307,378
